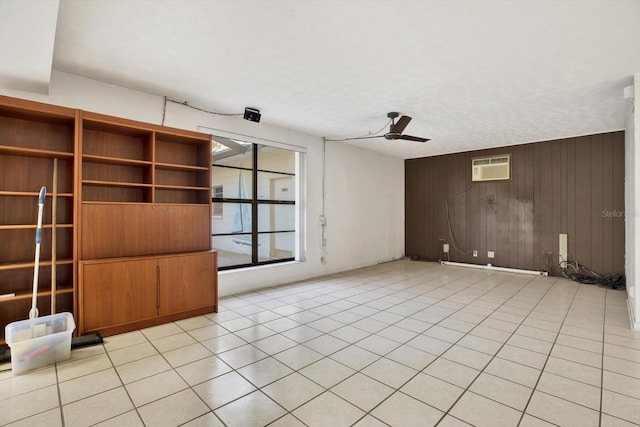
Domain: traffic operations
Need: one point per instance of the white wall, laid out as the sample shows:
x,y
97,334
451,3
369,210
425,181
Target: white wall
x,y
90,95
364,202
364,206
632,207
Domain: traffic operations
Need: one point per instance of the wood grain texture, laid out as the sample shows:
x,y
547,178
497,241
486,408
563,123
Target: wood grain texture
x,y
187,282
118,230
42,135
124,294
14,249
113,144
31,136
102,121
23,173
180,153
14,280
34,110
117,292
573,186
95,171
116,158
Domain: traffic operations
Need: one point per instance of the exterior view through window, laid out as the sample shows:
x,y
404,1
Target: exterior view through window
x,y
254,203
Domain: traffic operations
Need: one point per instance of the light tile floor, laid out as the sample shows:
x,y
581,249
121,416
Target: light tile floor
x,y
401,344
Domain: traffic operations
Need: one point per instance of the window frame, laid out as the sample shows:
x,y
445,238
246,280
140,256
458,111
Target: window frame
x,y
254,202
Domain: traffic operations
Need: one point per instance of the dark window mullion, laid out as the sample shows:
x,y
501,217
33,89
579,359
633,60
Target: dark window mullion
x,y
231,234
254,208
275,172
233,167
276,202
255,203
226,200
234,267
276,261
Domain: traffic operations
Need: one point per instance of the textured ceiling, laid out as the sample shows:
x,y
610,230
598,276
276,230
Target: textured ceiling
x,y
25,54
472,74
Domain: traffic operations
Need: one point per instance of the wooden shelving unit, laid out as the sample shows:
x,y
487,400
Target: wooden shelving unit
x,y
134,201
32,135
117,161
145,211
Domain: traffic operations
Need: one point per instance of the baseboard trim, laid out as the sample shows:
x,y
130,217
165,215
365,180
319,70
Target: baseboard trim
x,y
494,268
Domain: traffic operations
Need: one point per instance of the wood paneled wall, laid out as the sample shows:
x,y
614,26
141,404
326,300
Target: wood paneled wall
x,y
573,186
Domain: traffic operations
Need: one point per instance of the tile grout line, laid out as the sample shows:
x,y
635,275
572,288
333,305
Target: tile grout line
x,y
328,333
514,331
466,334
453,344
62,420
467,389
329,357
124,386
367,287
535,387
379,358
369,413
324,357
604,322
135,408
213,354
174,369
280,333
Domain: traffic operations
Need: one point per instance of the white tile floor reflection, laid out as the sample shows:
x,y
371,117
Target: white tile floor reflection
x,y
400,344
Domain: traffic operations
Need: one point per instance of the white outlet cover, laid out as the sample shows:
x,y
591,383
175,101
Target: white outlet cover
x,y
491,254
562,248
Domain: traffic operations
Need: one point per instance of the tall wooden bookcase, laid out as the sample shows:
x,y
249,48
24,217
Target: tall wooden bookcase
x,y
144,225
32,135
133,218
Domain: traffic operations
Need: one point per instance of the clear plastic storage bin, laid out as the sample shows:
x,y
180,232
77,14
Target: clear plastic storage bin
x,y
40,341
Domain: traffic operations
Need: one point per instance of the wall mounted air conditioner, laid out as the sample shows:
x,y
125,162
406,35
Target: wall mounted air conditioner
x,y
491,168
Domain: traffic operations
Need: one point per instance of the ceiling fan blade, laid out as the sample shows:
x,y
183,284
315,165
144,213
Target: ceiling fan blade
x,y
411,138
402,123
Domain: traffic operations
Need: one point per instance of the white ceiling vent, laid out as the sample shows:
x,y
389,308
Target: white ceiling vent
x,y
491,168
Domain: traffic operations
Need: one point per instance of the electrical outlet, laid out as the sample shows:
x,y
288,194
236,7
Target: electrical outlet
x,y
445,248
491,254
475,254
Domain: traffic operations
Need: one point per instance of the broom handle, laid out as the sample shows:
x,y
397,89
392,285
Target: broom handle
x,y
33,313
54,205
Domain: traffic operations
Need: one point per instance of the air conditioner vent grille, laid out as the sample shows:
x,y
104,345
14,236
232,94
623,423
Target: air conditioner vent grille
x,y
497,160
491,168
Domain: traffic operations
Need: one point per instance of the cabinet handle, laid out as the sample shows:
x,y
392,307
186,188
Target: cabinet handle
x,y
158,290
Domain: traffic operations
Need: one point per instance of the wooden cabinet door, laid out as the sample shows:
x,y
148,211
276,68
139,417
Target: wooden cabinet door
x,y
121,230
115,293
187,282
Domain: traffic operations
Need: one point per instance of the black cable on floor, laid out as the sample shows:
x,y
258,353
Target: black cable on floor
x,y
581,274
